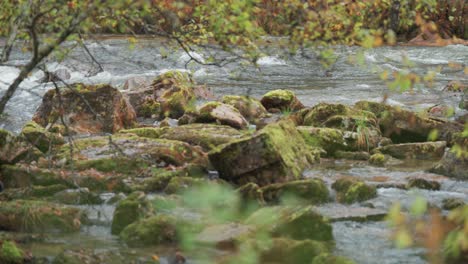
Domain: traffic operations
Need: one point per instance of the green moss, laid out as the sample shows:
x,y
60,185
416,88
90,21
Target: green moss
x,y
285,139
285,95
297,223
208,136
156,230
249,107
130,210
38,216
180,184
359,192
10,253
205,110
148,132
43,191
327,258
328,139
311,191
284,250
5,137
176,101
150,108
350,190
41,138
17,176
377,159
117,165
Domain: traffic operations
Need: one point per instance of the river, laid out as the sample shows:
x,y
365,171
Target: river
x,y
345,82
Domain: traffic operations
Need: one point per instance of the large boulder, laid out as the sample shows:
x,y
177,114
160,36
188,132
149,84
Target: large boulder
x,y
454,163
249,107
421,151
403,126
155,230
281,100
277,153
35,216
133,208
87,109
224,114
100,152
332,140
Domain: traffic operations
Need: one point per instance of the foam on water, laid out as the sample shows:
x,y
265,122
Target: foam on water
x,y
270,60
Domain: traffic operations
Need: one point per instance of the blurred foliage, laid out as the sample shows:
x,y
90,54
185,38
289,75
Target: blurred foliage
x,y
445,237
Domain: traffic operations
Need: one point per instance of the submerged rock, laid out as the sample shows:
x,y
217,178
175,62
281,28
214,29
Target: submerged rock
x,y
156,230
130,210
281,100
87,109
311,191
224,114
421,151
36,216
423,184
276,153
250,108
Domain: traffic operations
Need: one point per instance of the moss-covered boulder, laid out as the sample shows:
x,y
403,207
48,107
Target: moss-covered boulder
x,y
77,197
283,250
40,137
281,100
156,230
276,153
377,159
22,176
421,151
87,109
297,223
332,140
249,107
350,190
36,216
327,258
403,126
133,208
208,136
251,193
318,114
10,253
312,191
13,149
454,162
224,114
136,150
421,183
181,184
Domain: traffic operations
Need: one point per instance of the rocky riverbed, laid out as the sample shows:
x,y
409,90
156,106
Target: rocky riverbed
x,y
165,173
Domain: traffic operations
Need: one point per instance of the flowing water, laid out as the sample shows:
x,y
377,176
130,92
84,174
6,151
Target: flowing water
x,y
365,242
